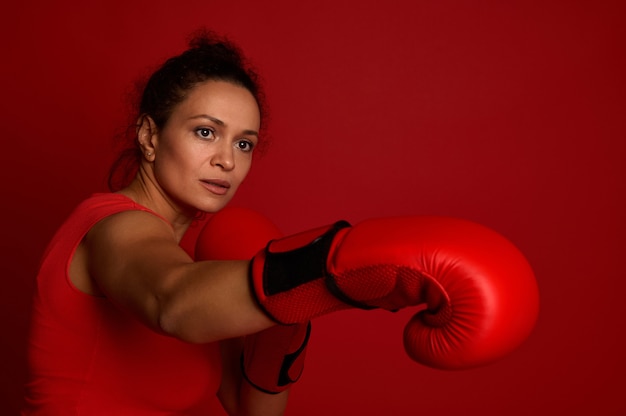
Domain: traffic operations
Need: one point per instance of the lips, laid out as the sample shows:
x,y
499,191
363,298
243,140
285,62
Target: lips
x,y
216,186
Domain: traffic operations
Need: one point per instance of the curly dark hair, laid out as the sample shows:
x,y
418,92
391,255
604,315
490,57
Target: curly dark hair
x,y
209,57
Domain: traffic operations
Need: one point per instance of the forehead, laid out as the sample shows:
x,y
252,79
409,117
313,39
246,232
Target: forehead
x,y
226,101
220,93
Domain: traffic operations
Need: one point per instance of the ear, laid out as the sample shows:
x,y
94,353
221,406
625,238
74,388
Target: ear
x,y
147,136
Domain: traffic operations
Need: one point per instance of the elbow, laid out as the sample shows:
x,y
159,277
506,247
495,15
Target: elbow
x,y
167,320
175,320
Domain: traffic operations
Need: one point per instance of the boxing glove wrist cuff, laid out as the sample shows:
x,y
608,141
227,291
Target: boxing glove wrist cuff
x,y
298,265
297,260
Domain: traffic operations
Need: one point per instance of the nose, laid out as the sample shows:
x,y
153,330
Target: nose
x,y
224,157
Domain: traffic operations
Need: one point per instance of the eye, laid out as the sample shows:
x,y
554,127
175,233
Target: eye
x,y
205,132
245,145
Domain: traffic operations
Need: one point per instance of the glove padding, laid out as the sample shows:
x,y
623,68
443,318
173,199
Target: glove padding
x,y
477,294
272,359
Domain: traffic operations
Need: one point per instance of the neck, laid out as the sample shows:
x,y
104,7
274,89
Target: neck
x,y
144,191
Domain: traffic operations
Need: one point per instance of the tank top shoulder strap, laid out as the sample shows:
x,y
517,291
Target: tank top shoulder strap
x,y
86,214
101,205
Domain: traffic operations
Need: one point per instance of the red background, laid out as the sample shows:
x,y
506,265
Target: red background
x,y
509,113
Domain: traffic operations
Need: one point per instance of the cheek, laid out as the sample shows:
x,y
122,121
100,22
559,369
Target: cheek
x,y
174,165
244,165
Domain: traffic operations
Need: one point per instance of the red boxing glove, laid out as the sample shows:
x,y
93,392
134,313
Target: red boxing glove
x,y
234,234
272,359
477,292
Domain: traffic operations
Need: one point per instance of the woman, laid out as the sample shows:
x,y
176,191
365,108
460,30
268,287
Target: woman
x,y
118,258
125,322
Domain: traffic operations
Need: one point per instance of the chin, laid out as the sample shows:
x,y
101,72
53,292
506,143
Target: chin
x,y
215,206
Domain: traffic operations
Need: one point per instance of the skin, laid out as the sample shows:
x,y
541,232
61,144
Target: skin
x,y
195,163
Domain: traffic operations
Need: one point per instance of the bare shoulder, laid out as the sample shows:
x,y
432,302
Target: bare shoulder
x,y
132,237
112,244
131,246
129,227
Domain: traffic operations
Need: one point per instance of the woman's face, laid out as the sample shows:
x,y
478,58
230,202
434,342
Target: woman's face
x,y
204,151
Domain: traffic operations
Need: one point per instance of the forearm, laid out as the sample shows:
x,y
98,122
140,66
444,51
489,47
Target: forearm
x,y
212,302
256,403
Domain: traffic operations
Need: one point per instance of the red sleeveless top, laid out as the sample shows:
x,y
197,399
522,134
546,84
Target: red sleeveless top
x,y
87,357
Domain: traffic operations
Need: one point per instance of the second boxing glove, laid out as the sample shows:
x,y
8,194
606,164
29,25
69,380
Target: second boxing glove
x,y
272,359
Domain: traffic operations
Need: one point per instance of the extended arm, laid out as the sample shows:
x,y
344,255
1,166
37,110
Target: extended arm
x,y
461,271
135,259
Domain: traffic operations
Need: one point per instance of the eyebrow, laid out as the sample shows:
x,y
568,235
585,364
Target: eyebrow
x,y
221,123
